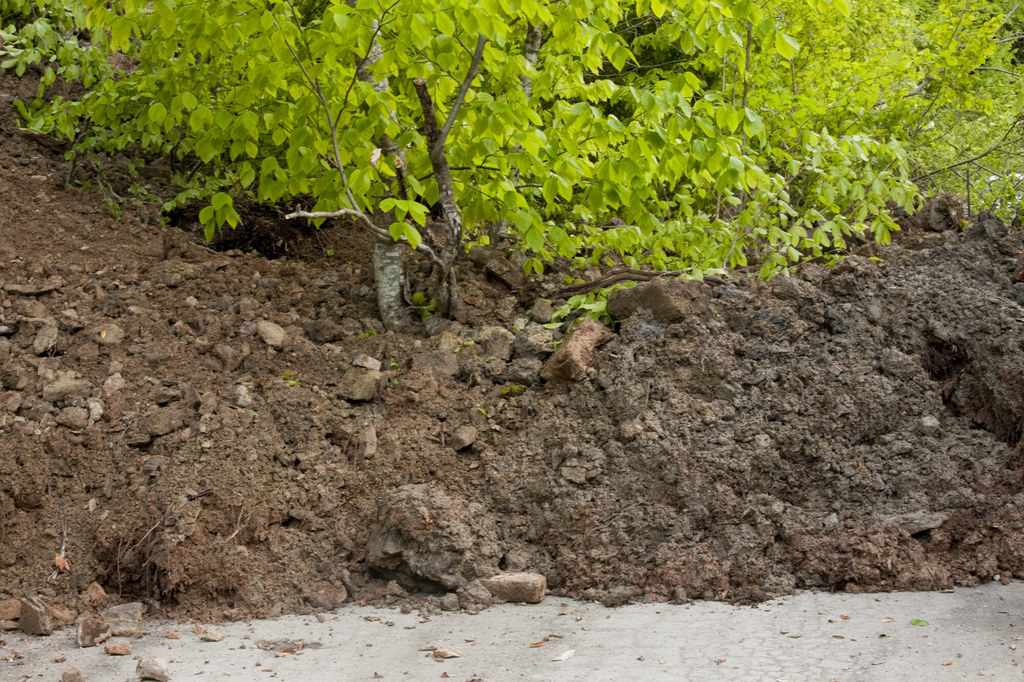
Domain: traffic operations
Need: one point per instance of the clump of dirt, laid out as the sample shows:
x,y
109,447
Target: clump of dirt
x,y
225,435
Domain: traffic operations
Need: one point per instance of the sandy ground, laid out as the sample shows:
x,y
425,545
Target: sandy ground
x,y
965,634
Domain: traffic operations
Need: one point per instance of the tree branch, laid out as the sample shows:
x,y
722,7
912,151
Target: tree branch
x,y
474,66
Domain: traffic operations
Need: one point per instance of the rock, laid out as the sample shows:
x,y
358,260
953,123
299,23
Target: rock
x,y
113,384
474,597
63,614
71,675
365,361
173,634
359,384
125,620
67,384
173,273
576,353
152,668
10,609
34,289
496,265
328,597
242,397
92,631
929,426
450,602
117,649
517,587
496,342
74,417
422,537
463,437
34,618
210,634
524,371
96,594
8,625
542,311
162,421
95,409
45,340
107,335
534,341
670,300
272,334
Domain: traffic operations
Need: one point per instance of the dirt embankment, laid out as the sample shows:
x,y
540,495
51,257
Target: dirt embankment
x,y
215,435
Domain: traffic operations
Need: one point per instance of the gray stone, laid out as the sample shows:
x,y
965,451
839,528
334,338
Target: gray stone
x,y
496,342
209,634
71,675
67,384
365,361
34,618
359,384
272,334
108,335
45,340
534,341
92,631
517,587
162,421
125,620
929,426
463,437
542,311
74,417
151,667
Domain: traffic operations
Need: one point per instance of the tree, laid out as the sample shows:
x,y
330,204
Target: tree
x,y
712,133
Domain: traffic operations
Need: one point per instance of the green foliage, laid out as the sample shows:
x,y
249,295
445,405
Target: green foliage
x,y
732,133
593,305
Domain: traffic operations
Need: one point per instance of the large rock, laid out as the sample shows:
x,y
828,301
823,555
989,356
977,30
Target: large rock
x,y
66,385
125,620
423,538
151,667
359,384
92,631
670,300
576,353
517,587
34,618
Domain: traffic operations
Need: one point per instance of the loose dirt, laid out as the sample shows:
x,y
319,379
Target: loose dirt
x,y
209,432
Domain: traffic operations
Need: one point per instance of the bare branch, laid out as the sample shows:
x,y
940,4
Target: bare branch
x,y
358,215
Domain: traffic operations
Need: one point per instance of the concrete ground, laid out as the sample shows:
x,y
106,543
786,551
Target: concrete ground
x,y
967,634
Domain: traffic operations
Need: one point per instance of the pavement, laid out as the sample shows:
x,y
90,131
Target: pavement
x,y
966,634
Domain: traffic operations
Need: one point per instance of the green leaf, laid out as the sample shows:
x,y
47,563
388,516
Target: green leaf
x,y
157,112
786,46
919,623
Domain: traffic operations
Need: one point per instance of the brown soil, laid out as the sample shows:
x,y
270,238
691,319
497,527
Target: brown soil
x,y
850,429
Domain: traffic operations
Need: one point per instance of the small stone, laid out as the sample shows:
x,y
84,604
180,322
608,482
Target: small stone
x,y
8,625
66,385
242,397
517,587
463,437
272,334
96,594
117,649
152,668
46,340
113,384
929,426
496,342
63,614
10,609
359,384
95,409
34,618
162,421
108,335
534,341
450,602
173,634
365,361
74,418
542,311
208,634
92,631
125,620
71,675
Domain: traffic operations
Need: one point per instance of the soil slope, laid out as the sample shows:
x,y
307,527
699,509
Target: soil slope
x,y
208,431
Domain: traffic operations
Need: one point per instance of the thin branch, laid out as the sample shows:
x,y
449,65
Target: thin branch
x,y
992,68
438,147
352,213
959,163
